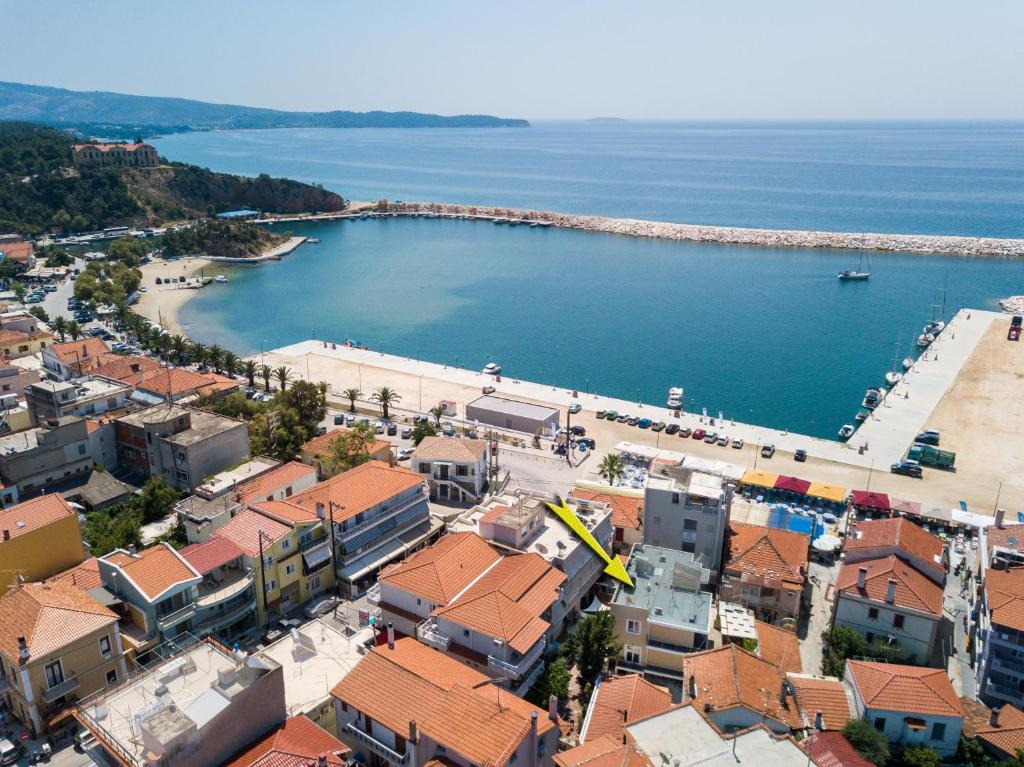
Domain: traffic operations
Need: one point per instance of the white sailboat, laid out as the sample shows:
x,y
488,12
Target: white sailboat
x,y
893,377
858,273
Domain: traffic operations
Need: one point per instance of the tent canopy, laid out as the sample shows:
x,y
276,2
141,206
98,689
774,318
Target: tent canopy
x,y
907,507
871,500
759,478
792,484
832,493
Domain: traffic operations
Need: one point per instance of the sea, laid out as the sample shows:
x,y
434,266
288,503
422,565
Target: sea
x,y
758,334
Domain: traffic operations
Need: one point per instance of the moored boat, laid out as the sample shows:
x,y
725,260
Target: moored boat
x,y
675,398
892,378
846,431
908,362
220,278
924,340
492,369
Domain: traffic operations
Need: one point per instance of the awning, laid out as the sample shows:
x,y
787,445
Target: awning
x,y
792,484
104,597
907,507
871,500
316,558
759,478
832,493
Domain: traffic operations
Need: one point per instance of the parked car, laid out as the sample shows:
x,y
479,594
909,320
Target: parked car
x,y
404,453
488,390
711,437
928,437
586,443
575,407
448,429
624,418
350,420
392,430
579,431
320,607
699,433
800,455
737,443
685,431
644,423
635,420
908,469
611,415
672,428
407,433
339,419
767,451
723,440
601,414
364,421
10,752
380,427
95,331
657,426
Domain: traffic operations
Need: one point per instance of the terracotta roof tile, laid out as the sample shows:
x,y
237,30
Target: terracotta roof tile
x,y
126,369
359,489
914,590
441,571
1008,735
275,480
85,576
35,514
211,554
73,352
156,569
627,512
50,616
897,533
825,694
321,446
285,511
767,552
906,689
296,743
8,336
1005,537
450,449
619,700
605,751
16,250
245,527
1004,590
831,749
778,646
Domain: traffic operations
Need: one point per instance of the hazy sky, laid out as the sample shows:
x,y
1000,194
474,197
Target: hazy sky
x,y
560,58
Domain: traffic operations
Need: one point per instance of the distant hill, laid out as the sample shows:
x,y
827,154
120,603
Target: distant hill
x,y
601,120
99,113
40,191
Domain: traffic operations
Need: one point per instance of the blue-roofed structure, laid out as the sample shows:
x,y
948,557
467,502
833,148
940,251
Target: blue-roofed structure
x,y
238,214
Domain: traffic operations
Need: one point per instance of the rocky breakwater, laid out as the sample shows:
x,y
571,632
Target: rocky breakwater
x,y
1013,304
774,238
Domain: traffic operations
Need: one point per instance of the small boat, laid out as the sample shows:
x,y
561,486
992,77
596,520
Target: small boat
x,y
313,240
858,273
924,340
892,378
846,431
908,362
492,369
500,221
675,398
220,278
861,416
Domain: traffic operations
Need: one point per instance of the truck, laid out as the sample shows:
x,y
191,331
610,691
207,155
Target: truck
x,y
929,455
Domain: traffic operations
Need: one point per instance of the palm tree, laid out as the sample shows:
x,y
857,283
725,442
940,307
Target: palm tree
x,y
284,375
163,343
198,353
266,373
384,397
74,330
230,363
250,369
610,468
437,411
215,357
60,327
179,345
352,394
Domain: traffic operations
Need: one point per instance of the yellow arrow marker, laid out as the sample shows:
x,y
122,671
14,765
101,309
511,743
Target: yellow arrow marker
x,y
614,568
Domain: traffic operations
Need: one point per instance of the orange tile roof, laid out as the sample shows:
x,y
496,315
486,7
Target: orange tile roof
x,y
296,743
906,689
28,516
825,694
896,533
108,147
286,512
831,749
605,751
8,336
126,369
452,704
619,700
275,480
156,569
914,591
211,554
767,552
359,489
50,616
73,352
627,512
1004,590
321,446
16,250
1008,735
175,381
778,646
507,601
86,575
439,572
1005,537
729,676
450,449
245,527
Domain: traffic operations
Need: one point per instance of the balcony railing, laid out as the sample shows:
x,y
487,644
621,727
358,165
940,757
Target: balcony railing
x,y
1008,666
514,670
59,690
371,521
380,749
172,619
430,635
1005,692
312,544
226,591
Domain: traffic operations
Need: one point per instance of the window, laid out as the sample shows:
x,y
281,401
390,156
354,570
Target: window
x,y
54,674
461,471
465,632
270,586
344,706
285,545
872,613
104,646
675,497
268,560
289,570
880,723
633,627
939,731
689,524
632,653
111,677
689,547
418,601
897,621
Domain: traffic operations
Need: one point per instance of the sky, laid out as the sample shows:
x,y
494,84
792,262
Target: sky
x,y
646,59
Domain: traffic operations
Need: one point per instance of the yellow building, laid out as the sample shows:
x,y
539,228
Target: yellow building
x,y
295,550
15,344
58,645
38,538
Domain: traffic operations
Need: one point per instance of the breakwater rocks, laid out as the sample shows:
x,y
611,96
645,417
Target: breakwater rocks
x,y
773,238
1013,304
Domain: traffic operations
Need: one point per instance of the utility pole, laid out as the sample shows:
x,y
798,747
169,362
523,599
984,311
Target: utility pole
x,y
334,561
263,577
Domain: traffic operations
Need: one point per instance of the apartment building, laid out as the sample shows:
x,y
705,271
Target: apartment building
x,y
627,513
665,614
15,344
689,511
57,646
137,155
407,705
898,537
224,601
80,398
73,359
455,469
766,571
38,538
14,378
1000,638
215,502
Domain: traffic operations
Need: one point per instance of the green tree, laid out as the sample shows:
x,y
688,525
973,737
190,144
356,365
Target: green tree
x,y
128,250
868,741
230,363
920,756
554,680
74,330
55,257
385,396
156,499
215,357
266,374
39,313
283,375
840,643
421,430
437,411
20,290
198,353
307,399
60,327
117,527
349,449
250,369
179,348
610,468
352,395
598,645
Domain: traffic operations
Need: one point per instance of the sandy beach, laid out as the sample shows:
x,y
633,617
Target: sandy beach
x,y
161,303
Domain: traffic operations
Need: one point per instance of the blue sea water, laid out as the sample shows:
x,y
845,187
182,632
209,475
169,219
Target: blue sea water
x,y
767,335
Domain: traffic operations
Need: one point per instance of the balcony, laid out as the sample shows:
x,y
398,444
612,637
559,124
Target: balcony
x,y
60,690
312,543
1012,694
514,670
170,620
429,635
377,747
1008,666
344,536
211,595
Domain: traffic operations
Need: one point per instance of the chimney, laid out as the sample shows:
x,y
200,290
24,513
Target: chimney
x,y
1000,514
862,578
553,708
693,686
320,511
321,761
414,731
890,591
391,635
993,718
22,650
819,720
7,534
533,738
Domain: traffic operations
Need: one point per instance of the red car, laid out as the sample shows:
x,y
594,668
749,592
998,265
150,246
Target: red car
x,y
699,433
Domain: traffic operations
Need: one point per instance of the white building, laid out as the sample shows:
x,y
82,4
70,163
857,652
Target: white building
x,y
455,469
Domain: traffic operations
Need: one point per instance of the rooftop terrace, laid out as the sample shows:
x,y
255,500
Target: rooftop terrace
x,y
667,583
